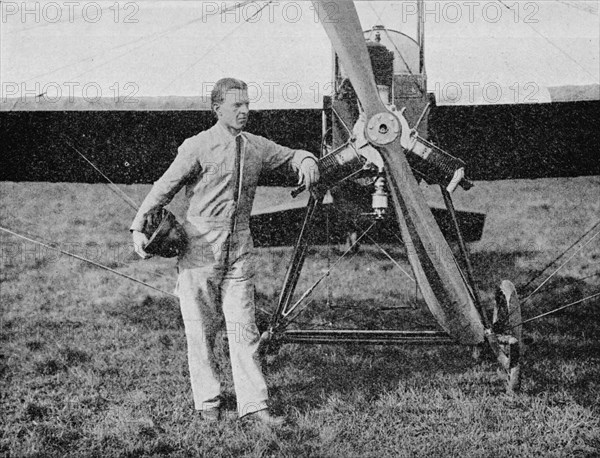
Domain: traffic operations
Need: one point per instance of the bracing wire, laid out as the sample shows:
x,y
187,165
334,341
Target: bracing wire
x,y
193,21
389,256
326,274
385,252
62,20
112,185
590,7
145,40
555,46
387,34
539,274
590,276
560,267
89,261
116,260
220,42
299,312
132,42
551,312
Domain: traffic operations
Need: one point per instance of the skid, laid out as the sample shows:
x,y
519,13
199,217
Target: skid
x,y
368,337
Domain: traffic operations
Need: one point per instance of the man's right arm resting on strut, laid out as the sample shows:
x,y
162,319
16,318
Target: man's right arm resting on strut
x,y
162,192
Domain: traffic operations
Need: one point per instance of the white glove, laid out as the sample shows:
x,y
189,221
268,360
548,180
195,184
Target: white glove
x,y
139,243
308,172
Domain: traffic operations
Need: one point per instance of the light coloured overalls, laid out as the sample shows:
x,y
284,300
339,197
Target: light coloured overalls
x,y
216,271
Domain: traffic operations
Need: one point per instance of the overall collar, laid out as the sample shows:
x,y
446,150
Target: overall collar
x,y
225,135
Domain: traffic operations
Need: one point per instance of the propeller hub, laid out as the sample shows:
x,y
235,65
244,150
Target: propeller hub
x,y
383,128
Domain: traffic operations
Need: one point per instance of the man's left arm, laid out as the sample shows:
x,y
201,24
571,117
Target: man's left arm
x,y
304,163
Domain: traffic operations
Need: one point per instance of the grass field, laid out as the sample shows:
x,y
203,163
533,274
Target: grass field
x,y
95,365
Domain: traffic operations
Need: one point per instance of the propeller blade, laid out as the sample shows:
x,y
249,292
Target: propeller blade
x,y
439,278
341,23
443,287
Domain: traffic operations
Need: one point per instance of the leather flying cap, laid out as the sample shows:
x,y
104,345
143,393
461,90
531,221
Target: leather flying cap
x,y
166,236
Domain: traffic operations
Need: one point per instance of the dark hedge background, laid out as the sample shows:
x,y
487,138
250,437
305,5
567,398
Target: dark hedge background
x,y
497,142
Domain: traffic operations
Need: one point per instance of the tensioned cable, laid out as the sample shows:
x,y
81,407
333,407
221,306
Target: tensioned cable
x,y
589,8
539,274
239,5
555,310
299,313
156,36
114,260
219,42
95,56
387,34
112,186
560,267
551,42
61,21
43,240
385,252
81,258
589,276
337,115
287,312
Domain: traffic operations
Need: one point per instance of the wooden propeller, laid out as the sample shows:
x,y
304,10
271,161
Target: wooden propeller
x,y
442,284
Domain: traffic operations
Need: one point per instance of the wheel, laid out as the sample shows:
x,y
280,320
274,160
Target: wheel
x,y
508,328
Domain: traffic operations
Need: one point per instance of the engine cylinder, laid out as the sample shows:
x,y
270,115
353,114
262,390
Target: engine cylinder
x,y
340,164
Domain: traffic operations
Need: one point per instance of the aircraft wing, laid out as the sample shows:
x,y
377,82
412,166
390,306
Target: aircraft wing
x,y
277,218
166,55
516,83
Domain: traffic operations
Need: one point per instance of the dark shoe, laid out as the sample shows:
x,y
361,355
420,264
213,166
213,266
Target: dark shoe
x,y
218,414
211,415
264,417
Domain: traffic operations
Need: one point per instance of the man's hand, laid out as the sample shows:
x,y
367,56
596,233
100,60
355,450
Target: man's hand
x,y
308,173
139,243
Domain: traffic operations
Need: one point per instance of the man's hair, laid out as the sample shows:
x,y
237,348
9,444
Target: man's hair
x,y
221,88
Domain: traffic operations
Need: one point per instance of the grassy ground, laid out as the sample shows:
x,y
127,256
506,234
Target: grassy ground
x,y
95,365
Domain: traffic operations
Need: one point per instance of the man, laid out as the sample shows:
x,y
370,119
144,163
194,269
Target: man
x,y
216,270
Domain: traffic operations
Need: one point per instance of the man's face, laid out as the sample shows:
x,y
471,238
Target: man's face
x,y
233,111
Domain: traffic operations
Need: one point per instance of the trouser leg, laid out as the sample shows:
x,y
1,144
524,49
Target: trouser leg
x,y
199,291
243,338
